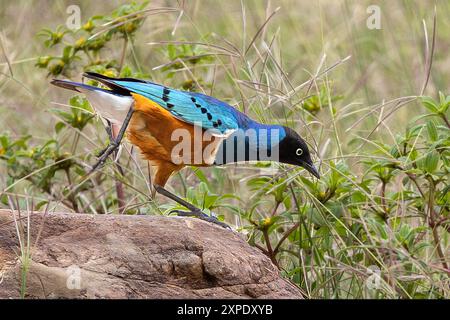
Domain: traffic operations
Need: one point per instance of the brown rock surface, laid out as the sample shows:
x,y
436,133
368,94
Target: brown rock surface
x,y
112,256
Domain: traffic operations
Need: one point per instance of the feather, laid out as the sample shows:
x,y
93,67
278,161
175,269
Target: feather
x,y
108,103
209,113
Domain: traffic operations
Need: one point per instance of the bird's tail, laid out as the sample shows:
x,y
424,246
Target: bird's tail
x,y
112,104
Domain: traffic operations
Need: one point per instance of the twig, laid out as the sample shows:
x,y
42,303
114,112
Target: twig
x,y
260,30
269,251
6,56
124,52
430,57
383,199
277,204
285,236
434,227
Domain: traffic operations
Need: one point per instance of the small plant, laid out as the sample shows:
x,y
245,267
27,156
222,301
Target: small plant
x,y
319,100
84,47
50,167
344,219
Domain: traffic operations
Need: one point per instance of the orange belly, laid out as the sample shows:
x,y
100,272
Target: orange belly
x,y
151,129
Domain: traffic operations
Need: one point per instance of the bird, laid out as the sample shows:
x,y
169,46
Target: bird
x,y
164,123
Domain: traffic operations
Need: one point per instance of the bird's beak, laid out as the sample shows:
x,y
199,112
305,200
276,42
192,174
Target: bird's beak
x,y
312,169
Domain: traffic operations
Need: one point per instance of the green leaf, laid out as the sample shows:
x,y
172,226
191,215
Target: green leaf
x,y
171,51
446,104
430,104
67,53
403,233
432,131
201,176
380,228
431,161
358,197
316,217
59,126
41,204
4,141
287,202
420,246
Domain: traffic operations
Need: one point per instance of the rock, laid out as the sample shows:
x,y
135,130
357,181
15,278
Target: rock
x,y
117,256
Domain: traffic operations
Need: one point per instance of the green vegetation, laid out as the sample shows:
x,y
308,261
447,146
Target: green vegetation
x,y
377,122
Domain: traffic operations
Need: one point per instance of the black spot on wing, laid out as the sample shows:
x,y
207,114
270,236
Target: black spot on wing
x,y
203,109
165,95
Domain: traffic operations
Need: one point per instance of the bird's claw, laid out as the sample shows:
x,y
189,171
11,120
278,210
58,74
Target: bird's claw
x,y
104,154
195,213
201,215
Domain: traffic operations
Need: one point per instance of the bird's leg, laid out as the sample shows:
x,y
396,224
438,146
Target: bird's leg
x,y
114,142
193,210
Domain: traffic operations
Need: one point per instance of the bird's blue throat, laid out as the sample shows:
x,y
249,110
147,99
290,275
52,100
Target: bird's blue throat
x,y
256,142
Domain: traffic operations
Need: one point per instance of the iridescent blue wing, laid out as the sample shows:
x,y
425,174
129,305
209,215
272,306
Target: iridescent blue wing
x,y
194,108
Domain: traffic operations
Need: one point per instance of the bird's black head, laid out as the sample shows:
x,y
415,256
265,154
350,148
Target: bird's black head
x,y
293,150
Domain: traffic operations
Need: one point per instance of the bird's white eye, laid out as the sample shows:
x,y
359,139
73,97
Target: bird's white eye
x,y
299,151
